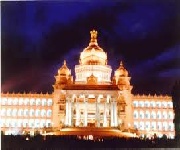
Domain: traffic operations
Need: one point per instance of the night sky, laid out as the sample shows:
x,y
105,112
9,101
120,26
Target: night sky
x,y
37,36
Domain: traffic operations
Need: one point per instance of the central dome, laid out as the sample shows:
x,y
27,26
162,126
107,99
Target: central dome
x,y
93,68
93,54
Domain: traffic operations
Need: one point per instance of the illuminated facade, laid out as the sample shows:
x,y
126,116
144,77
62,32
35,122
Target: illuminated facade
x,y
28,112
93,99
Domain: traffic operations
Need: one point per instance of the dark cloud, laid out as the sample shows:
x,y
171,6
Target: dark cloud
x,y
38,36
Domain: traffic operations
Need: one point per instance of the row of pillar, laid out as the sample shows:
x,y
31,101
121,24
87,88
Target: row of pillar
x,y
113,118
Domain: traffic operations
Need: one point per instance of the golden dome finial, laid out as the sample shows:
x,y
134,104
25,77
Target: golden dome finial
x,y
121,66
121,63
64,62
93,36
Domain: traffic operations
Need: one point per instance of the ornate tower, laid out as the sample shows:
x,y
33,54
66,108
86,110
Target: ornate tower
x,y
124,101
93,61
63,78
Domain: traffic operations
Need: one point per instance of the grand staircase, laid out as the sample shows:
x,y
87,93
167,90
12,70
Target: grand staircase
x,y
95,131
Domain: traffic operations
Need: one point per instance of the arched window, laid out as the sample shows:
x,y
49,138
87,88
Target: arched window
x,y
26,101
164,104
169,104
9,112
146,104
158,104
49,102
153,115
31,123
43,123
9,101
152,104
31,113
37,113
49,113
147,125
7,122
159,126
32,101
147,115
158,115
153,125
4,101
135,114
3,112
164,115
26,113
44,102
14,112
43,113
15,101
2,123
38,102
20,101
141,114
19,123
171,126
48,123
135,103
136,125
13,123
25,122
170,115
20,112
165,126
141,103
141,125
37,123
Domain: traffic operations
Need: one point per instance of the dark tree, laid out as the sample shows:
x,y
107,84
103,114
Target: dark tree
x,y
176,107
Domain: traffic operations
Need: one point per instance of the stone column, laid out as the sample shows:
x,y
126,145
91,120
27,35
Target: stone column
x,y
105,117
77,114
69,117
66,121
97,114
112,115
85,115
115,114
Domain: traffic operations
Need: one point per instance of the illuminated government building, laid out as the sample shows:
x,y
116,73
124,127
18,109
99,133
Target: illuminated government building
x,y
98,98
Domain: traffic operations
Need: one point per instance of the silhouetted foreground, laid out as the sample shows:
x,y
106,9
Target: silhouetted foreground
x,y
72,142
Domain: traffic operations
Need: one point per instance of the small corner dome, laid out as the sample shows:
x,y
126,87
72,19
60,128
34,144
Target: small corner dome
x,y
121,71
64,70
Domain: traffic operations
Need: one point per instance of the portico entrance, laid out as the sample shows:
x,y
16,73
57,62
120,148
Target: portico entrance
x,y
91,124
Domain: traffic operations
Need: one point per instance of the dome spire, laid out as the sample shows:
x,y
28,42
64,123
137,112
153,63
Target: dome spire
x,y
121,71
121,64
64,69
64,62
93,37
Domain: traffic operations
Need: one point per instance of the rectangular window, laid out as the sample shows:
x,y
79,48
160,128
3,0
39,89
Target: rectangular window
x,y
61,107
49,124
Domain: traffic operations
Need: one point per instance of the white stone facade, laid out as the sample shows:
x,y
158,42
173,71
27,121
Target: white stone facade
x,y
94,99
